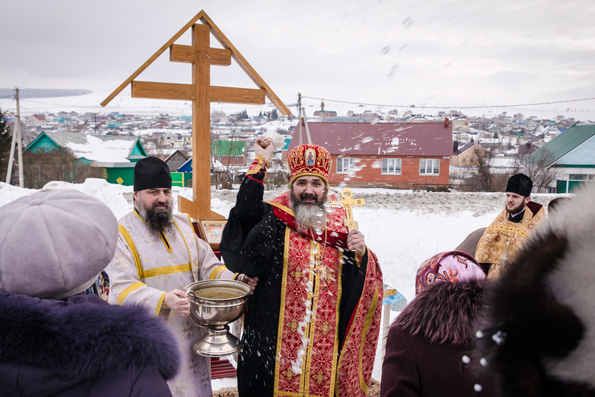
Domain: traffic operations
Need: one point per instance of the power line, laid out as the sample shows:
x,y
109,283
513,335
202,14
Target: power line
x,y
452,106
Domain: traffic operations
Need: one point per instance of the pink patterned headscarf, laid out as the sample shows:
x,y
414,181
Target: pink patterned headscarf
x,y
452,266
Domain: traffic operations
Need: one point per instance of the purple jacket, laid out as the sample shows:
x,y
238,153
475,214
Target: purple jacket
x,y
82,346
426,344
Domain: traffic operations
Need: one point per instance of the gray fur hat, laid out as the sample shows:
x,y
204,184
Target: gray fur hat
x,y
55,244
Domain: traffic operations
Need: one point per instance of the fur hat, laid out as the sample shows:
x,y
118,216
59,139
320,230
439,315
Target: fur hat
x,y
520,184
54,244
151,173
309,160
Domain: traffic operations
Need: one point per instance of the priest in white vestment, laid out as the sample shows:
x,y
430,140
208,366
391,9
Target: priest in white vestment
x,y
157,255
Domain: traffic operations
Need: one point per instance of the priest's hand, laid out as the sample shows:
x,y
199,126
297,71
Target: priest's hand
x,y
177,300
263,147
355,242
251,281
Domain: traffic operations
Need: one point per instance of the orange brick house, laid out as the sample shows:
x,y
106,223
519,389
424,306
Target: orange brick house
x,y
395,155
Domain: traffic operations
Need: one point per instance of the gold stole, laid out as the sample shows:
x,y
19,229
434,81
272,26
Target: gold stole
x,y
307,339
503,239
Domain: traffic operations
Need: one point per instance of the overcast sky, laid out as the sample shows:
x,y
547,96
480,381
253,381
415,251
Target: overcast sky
x,y
395,52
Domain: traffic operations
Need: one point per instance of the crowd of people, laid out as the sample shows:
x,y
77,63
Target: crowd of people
x,y
97,306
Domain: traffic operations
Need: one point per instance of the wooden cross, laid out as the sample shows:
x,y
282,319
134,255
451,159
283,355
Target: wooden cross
x,y
347,203
201,93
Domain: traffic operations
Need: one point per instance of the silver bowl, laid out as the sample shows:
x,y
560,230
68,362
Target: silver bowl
x,y
214,304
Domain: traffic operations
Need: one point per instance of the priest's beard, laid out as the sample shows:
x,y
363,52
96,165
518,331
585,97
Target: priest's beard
x,y
516,210
308,216
158,220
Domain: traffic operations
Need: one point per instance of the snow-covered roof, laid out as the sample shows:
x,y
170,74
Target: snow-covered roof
x,y
105,150
100,148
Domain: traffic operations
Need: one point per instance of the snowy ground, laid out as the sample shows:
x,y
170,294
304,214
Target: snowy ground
x,y
403,228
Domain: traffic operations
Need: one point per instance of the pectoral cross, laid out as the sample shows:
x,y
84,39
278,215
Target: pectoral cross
x,y
347,203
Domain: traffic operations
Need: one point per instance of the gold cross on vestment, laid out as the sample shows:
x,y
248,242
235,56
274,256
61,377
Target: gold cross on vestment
x,y
347,203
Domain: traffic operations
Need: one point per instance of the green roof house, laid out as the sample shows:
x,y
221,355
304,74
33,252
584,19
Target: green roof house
x,y
573,153
116,155
229,152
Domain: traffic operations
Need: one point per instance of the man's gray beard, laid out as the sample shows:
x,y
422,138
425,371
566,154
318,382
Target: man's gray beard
x,y
308,216
158,220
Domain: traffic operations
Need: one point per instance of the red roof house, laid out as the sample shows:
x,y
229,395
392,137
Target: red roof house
x,y
396,155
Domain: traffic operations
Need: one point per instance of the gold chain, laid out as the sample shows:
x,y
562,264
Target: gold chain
x,y
318,266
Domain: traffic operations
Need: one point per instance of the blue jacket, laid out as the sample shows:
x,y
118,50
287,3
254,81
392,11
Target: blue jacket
x,y
82,346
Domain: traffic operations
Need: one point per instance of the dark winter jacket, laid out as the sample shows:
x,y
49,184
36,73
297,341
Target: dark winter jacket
x,y
82,346
428,340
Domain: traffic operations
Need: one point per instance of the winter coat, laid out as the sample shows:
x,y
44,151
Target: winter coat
x,y
82,346
469,245
428,340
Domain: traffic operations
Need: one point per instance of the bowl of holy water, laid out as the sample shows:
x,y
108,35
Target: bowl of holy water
x,y
213,305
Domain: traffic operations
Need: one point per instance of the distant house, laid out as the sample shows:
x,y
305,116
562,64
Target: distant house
x,y
573,153
116,155
526,149
460,125
229,152
36,120
395,155
325,113
466,156
176,159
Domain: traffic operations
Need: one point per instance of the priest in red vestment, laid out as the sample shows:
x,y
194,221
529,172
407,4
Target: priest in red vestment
x,y
312,325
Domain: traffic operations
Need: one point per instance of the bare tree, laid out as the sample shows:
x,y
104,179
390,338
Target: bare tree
x,y
42,167
5,142
482,177
218,116
225,149
538,167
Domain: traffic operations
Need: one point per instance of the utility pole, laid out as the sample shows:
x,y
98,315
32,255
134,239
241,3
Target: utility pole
x,y
299,131
20,142
16,136
302,120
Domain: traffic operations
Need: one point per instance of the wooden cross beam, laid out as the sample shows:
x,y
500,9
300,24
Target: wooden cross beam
x,y
201,93
347,203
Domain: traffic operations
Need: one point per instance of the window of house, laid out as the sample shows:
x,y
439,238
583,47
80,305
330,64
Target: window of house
x,y
345,165
429,166
391,166
581,177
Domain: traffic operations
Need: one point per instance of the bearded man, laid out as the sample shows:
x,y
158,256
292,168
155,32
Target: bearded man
x,y
156,256
311,327
508,232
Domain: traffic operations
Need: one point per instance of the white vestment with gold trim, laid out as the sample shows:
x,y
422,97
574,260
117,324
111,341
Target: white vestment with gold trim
x,y
146,266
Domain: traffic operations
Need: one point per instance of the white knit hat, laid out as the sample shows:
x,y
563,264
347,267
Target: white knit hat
x,y
55,244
